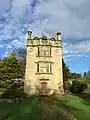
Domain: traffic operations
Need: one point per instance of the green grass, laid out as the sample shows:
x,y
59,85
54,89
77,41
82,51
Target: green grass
x,y
33,108
28,109
51,108
79,107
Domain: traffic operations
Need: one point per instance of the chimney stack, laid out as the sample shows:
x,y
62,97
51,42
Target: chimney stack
x,y
59,36
29,34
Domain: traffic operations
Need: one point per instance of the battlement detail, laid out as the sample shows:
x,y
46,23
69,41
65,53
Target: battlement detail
x,y
48,42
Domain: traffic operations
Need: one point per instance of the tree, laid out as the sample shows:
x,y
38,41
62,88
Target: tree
x,y
88,73
85,74
21,57
21,53
66,71
75,76
9,68
78,86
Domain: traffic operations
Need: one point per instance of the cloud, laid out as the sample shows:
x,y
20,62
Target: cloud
x,y
1,46
19,8
6,54
63,16
80,49
4,5
69,17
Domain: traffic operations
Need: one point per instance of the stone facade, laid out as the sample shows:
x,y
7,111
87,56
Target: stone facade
x,y
43,65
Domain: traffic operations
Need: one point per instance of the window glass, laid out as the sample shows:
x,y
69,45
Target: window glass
x,y
44,67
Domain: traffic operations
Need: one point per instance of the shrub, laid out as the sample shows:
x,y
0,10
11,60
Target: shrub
x,y
67,86
78,86
13,92
2,89
87,80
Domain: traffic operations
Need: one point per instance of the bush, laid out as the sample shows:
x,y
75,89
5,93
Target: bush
x,y
13,92
67,86
78,86
2,89
87,80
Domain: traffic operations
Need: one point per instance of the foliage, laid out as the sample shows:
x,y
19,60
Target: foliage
x,y
66,71
85,74
14,92
67,74
67,86
21,55
78,86
5,83
88,81
9,68
2,90
75,75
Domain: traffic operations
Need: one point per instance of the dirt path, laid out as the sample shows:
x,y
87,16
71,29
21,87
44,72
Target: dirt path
x,y
51,111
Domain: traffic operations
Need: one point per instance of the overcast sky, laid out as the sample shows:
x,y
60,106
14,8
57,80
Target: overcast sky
x,y
70,17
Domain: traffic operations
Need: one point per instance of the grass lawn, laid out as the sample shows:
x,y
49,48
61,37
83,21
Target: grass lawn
x,y
51,108
79,106
28,109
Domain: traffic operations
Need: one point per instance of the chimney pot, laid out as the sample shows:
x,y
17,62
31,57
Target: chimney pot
x,y
29,34
59,36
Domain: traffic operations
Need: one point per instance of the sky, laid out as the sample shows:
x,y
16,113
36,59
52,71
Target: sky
x,y
70,17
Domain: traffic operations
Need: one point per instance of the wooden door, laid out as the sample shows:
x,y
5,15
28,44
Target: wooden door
x,y
44,88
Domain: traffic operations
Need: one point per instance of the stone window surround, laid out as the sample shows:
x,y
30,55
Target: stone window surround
x,y
44,55
44,80
44,62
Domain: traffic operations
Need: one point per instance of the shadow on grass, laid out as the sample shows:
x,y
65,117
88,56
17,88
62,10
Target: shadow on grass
x,y
77,112
6,116
52,111
28,108
85,97
64,105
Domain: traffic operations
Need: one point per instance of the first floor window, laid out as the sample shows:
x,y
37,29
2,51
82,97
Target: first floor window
x,y
44,67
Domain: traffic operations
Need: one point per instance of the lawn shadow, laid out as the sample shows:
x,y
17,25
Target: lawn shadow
x,y
85,97
71,110
63,103
77,112
52,111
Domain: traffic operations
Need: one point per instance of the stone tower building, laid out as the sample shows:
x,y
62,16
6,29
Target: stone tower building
x,y
43,65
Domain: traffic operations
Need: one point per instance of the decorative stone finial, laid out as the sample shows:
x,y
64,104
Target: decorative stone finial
x,y
59,33
59,36
29,34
